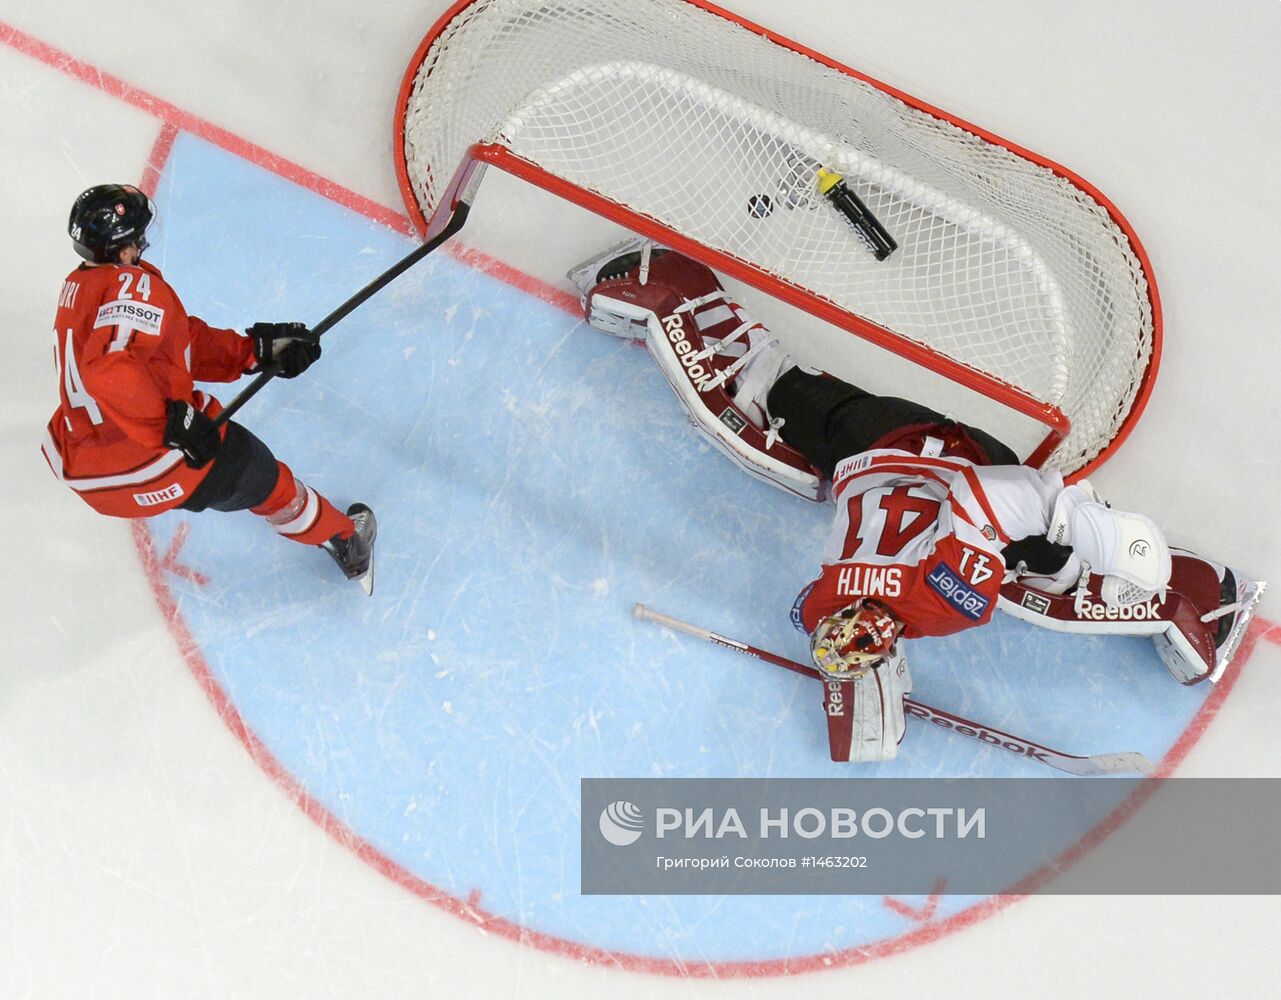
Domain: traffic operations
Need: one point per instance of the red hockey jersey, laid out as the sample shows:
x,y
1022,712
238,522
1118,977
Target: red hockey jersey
x,y
924,537
123,347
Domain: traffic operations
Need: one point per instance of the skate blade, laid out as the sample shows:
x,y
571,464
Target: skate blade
x,y
1250,595
366,579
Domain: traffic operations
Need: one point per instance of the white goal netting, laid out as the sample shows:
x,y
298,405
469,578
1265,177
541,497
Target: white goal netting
x,y
675,113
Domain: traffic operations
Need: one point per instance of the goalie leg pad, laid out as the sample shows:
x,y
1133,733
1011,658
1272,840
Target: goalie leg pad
x,y
730,427
632,255
1224,626
703,342
865,720
1196,626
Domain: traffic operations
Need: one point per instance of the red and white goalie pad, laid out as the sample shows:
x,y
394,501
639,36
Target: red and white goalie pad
x,y
865,720
703,342
1197,623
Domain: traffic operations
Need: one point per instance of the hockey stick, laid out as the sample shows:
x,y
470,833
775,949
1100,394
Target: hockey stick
x,y
455,223
1095,764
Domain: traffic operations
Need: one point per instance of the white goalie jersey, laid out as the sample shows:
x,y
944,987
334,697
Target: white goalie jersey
x,y
924,535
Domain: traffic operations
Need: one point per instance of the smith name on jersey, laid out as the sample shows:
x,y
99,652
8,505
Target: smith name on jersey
x,y
924,537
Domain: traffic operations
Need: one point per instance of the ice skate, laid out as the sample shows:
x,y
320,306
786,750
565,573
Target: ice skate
x,y
355,555
1240,598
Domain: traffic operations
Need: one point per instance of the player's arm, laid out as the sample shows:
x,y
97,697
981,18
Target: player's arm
x,y
1086,535
219,355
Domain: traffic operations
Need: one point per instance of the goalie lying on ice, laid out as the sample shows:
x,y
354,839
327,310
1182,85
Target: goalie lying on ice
x,y
936,522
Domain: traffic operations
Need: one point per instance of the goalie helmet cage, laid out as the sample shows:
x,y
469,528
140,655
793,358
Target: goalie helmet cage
x,y
1014,277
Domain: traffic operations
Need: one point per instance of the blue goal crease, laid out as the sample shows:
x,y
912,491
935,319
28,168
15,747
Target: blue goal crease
x,y
527,496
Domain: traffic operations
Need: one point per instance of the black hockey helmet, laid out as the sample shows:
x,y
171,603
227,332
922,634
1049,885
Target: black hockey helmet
x,y
107,218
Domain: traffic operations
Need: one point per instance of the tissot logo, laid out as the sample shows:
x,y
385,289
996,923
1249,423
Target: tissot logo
x,y
134,315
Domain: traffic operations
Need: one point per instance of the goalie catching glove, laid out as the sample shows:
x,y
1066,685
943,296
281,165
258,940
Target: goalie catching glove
x,y
1126,551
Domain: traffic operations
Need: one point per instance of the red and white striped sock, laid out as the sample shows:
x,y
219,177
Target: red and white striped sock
x,y
300,514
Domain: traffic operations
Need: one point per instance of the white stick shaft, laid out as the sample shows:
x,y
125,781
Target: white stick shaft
x,y
649,614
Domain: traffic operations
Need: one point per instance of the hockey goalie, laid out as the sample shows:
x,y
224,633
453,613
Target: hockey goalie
x,y
936,522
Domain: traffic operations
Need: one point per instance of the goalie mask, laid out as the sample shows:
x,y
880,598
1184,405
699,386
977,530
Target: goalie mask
x,y
853,639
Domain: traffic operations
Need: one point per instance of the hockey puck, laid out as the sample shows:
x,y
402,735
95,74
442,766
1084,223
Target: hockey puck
x,y
760,206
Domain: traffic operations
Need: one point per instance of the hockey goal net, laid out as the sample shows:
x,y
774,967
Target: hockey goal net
x,y
1013,276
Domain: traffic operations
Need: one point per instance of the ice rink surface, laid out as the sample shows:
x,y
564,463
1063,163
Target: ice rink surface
x,y
224,774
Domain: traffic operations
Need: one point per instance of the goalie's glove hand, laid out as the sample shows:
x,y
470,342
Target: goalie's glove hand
x,y
284,349
191,432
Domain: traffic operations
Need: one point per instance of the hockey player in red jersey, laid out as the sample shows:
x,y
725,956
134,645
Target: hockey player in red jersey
x,y
936,522
132,436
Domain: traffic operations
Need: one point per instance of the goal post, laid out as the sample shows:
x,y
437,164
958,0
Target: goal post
x,y
1013,277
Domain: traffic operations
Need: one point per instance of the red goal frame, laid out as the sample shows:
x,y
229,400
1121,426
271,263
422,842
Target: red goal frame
x,y
1052,417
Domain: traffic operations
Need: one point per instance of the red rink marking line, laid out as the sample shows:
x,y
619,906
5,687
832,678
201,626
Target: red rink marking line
x,y
922,914
154,566
170,563
185,121
471,911
157,158
507,274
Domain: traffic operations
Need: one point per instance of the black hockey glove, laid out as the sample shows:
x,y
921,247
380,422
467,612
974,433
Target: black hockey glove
x,y
1037,554
193,433
284,349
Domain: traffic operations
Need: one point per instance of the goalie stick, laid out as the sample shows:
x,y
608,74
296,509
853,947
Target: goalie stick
x,y
1128,762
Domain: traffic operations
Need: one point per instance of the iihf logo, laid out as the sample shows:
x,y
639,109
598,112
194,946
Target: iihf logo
x,y
621,823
